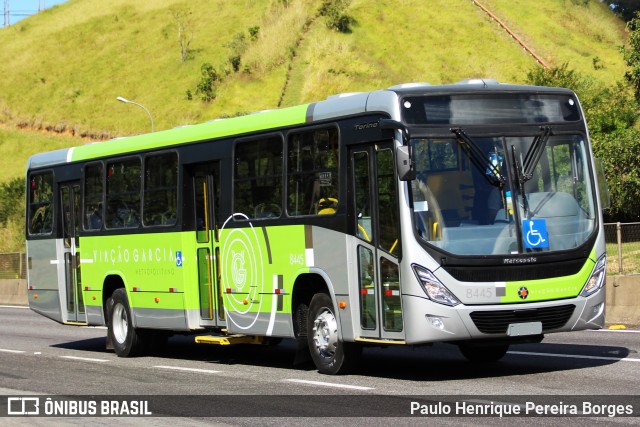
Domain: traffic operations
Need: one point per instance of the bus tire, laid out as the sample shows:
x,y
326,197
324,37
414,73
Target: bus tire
x,y
126,340
483,354
330,355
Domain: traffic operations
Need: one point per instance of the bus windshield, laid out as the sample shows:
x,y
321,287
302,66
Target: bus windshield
x,y
533,193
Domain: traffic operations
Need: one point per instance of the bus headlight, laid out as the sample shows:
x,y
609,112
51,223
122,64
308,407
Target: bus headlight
x,y
434,289
597,278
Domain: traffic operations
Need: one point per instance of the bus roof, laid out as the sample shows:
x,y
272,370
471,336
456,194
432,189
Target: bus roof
x,y
334,106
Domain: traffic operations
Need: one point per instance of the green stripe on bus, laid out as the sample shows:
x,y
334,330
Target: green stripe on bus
x,y
550,289
209,130
164,266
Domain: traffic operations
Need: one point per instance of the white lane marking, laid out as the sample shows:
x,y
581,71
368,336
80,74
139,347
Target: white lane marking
x,y
6,350
323,384
85,359
573,356
179,368
54,262
629,331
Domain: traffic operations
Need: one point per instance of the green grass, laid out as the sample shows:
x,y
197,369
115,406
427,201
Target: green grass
x,y
630,258
64,68
568,31
16,147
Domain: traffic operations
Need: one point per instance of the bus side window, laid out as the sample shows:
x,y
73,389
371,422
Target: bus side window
x,y
160,197
123,194
258,178
93,214
41,203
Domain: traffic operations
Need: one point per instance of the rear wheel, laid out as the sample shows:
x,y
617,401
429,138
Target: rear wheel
x,y
330,354
126,340
483,354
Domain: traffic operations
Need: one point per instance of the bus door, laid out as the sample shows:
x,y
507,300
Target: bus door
x,y
206,190
69,196
376,215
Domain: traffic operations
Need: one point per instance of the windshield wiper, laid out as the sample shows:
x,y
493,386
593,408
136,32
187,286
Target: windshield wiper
x,y
535,152
477,157
520,178
523,169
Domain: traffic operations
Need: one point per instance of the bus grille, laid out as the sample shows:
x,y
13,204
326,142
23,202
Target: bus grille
x,y
497,322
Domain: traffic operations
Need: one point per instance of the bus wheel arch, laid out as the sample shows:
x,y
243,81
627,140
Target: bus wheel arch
x,y
122,335
127,341
111,283
304,288
316,322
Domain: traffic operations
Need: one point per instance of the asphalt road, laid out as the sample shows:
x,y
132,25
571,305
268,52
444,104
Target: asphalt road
x,y
260,385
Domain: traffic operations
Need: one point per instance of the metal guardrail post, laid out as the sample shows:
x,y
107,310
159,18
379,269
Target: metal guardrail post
x,y
619,238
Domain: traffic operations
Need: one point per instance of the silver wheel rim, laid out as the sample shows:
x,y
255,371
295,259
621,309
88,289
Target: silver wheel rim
x,y
120,324
325,334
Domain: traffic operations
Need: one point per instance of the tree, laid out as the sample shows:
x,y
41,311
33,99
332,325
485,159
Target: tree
x,y
12,196
619,152
632,55
185,34
208,82
337,18
607,109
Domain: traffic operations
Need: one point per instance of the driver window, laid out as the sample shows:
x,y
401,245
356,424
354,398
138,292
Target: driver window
x,y
312,171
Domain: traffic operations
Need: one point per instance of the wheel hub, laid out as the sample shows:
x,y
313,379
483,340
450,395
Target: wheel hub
x,y
120,324
325,333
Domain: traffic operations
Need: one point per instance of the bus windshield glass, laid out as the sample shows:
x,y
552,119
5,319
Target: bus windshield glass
x,y
533,193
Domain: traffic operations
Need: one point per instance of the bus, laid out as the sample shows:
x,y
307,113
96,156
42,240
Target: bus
x,y
466,213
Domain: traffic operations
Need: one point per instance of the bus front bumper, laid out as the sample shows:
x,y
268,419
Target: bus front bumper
x,y
426,321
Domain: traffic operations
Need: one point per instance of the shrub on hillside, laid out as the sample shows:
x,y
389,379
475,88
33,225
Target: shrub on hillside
x,y
337,18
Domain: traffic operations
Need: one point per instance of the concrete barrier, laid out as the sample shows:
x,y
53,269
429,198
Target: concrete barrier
x,y
13,292
623,300
623,297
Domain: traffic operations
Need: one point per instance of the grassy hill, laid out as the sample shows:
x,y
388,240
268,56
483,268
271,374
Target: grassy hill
x,y
63,69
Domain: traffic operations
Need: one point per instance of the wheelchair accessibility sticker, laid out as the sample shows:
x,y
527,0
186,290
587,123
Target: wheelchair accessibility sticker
x,y
535,233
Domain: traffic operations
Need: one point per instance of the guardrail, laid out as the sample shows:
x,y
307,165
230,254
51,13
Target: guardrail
x,y
13,266
623,247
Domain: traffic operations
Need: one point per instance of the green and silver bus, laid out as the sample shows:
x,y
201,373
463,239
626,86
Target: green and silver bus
x,y
465,213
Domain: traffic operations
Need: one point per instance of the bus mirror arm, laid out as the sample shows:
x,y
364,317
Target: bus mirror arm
x,y
395,125
405,163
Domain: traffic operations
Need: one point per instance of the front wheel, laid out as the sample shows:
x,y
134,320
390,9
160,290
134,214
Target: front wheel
x,y
483,354
126,340
330,354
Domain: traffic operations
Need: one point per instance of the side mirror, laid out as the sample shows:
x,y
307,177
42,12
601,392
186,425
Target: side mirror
x,y
405,164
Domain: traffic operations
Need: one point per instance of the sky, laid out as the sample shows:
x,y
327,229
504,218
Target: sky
x,y
20,9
